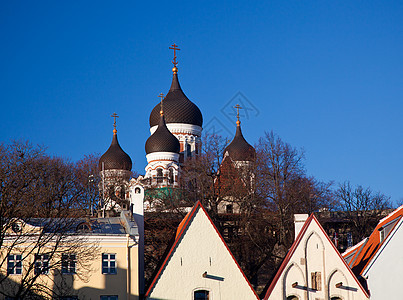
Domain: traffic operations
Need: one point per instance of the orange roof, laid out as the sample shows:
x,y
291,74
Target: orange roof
x,y
365,254
294,247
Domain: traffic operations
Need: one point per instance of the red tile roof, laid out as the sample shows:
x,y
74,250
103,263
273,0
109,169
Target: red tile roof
x,y
362,258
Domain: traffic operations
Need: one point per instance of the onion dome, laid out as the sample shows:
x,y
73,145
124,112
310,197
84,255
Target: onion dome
x,y
162,140
177,107
115,157
239,149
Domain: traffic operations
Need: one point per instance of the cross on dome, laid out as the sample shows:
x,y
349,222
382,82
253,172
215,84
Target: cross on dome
x,y
114,116
162,96
238,107
174,47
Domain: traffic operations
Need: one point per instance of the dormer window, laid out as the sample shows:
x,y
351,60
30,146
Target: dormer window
x,y
83,227
381,234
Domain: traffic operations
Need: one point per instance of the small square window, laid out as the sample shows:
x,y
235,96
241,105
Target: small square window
x,y
41,264
108,263
68,263
14,264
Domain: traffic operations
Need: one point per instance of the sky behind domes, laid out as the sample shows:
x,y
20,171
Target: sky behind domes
x,y
325,76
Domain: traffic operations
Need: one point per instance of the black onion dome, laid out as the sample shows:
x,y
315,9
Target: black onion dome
x,y
115,157
177,107
239,149
162,140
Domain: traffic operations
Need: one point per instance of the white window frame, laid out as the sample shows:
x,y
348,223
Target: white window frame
x,y
16,261
109,262
69,262
41,264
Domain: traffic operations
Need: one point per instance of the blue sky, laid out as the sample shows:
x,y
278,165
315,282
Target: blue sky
x,y
326,76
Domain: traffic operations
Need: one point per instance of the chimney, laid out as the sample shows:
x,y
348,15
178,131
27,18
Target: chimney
x,y
299,221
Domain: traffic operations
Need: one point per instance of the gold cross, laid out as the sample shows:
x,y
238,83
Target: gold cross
x,y
114,116
237,112
161,95
174,47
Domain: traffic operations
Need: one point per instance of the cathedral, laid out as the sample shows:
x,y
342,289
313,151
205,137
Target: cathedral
x,y
176,126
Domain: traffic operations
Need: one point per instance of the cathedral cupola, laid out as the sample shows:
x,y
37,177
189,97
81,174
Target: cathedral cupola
x,y
115,158
162,149
239,149
115,169
162,140
177,107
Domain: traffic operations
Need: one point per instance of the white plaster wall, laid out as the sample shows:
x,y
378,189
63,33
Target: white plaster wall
x,y
201,250
310,257
385,272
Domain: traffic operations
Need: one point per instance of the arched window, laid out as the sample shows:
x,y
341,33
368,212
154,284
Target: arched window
x,y
335,298
188,150
171,176
292,297
159,175
137,190
201,295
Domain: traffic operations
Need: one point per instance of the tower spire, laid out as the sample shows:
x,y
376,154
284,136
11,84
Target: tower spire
x,y
175,48
162,96
114,116
238,107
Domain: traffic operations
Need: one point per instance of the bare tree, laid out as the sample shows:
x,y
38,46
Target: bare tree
x,y
362,207
40,208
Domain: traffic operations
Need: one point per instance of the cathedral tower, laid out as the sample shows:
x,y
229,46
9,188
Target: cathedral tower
x,y
183,118
115,170
239,151
162,149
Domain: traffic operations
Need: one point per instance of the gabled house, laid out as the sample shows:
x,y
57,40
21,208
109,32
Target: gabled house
x,y
314,269
199,265
379,257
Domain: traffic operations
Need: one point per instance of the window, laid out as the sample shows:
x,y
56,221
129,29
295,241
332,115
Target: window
x,y
382,234
201,295
41,264
14,264
108,263
316,281
109,297
170,176
229,208
68,263
188,150
159,176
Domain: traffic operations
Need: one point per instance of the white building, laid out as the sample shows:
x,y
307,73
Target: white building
x,y
314,269
199,265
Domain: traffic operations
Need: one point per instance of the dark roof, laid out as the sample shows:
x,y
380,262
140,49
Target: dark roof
x,y
177,107
162,140
239,149
115,157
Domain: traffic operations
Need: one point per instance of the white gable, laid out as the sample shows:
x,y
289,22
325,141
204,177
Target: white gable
x,y
385,269
313,269
199,250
